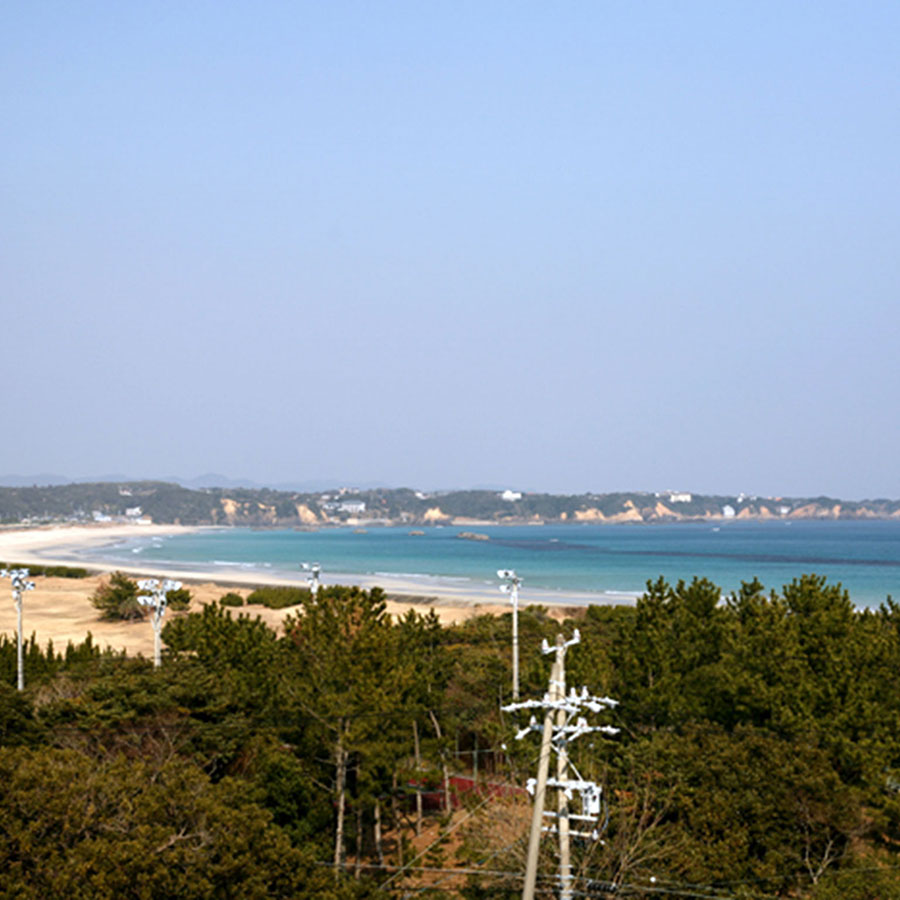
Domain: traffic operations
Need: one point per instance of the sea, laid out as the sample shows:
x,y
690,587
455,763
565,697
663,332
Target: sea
x,y
582,563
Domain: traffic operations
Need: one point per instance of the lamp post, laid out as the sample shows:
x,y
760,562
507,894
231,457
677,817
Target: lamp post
x,y
510,586
312,579
20,584
155,599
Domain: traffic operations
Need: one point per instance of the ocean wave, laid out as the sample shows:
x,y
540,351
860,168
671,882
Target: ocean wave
x,y
422,576
234,565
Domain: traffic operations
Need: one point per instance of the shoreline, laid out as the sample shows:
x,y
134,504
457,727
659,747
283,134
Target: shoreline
x,y
59,609
62,545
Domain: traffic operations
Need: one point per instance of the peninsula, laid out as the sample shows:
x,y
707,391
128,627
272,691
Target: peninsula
x,y
157,502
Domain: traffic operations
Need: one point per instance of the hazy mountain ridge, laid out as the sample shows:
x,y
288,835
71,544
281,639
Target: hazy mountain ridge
x,y
207,479
167,502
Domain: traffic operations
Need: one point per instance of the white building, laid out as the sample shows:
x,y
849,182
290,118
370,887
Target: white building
x,y
511,496
676,497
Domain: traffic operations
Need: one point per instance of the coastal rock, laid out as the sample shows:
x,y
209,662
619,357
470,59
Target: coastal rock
x,y
588,515
230,507
473,536
630,514
305,514
814,511
267,512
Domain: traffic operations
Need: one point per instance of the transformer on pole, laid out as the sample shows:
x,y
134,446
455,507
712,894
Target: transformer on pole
x,y
510,586
570,723
155,598
20,584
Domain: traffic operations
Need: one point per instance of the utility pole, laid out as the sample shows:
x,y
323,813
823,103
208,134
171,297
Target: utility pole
x,y
562,768
20,584
537,814
510,586
556,736
155,598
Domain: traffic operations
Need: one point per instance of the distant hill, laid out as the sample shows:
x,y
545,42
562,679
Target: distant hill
x,y
210,479
168,502
42,479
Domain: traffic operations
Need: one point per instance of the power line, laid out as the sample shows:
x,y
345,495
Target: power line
x,y
592,889
383,886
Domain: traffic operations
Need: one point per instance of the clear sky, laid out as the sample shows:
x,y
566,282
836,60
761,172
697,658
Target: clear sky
x,y
557,246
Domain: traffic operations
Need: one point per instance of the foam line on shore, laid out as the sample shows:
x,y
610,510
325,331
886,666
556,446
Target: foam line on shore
x,y
84,545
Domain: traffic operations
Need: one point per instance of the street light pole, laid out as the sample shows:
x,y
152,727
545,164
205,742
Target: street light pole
x,y
155,598
20,584
312,579
510,586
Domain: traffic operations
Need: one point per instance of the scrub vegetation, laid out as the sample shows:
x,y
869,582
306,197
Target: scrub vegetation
x,y
117,598
758,755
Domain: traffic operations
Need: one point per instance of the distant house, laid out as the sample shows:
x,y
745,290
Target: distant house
x,y
134,512
679,498
511,496
98,516
354,507
728,511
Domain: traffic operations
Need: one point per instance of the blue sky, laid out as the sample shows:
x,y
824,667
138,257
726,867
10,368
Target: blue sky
x,y
568,247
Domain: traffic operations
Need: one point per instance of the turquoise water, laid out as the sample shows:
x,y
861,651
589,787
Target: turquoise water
x,y
605,559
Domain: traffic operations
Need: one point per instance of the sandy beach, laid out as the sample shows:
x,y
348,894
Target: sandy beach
x,y
62,545
59,609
